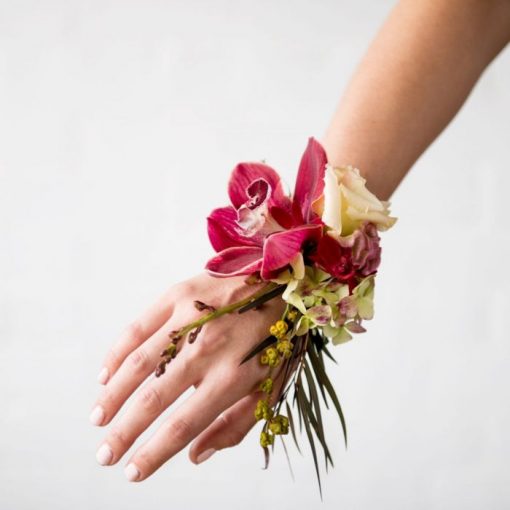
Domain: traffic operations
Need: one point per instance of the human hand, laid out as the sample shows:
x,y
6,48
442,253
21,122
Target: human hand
x,y
219,413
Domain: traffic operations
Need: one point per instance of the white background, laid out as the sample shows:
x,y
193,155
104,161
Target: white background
x,y
120,122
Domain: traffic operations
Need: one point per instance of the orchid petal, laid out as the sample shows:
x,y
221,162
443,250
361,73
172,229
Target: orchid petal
x,y
234,261
243,176
224,232
283,214
281,247
310,178
255,219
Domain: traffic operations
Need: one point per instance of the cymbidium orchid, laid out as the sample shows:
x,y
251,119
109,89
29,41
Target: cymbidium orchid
x,y
264,230
319,251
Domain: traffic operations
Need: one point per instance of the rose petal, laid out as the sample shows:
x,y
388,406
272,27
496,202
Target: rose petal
x,y
332,205
224,232
281,247
235,261
310,178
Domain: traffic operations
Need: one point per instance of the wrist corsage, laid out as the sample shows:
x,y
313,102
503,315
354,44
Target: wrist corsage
x,y
319,251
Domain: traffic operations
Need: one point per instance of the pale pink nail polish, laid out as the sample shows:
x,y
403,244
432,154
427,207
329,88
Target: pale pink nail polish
x,y
97,415
104,455
132,472
103,376
205,455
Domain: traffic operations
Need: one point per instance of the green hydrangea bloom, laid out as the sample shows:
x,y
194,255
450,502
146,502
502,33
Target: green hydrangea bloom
x,y
325,303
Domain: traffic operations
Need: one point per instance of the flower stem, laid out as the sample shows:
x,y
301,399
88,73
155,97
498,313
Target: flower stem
x,y
232,307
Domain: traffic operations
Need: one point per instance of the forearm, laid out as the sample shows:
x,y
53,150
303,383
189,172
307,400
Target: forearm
x,y
413,79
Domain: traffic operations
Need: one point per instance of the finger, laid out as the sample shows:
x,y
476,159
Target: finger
x,y
232,426
136,333
151,401
183,425
137,366
229,429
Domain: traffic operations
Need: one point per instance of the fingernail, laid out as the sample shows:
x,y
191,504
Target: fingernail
x,y
97,415
132,473
102,378
104,455
205,455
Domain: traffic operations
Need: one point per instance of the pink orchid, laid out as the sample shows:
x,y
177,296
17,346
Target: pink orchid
x,y
264,229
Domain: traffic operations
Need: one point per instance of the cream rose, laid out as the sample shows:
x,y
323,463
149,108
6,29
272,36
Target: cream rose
x,y
346,202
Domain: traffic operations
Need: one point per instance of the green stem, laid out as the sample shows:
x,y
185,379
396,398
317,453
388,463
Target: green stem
x,y
223,311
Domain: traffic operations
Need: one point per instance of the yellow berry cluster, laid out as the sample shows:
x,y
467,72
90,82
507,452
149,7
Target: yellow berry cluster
x,y
279,328
275,425
266,385
292,315
279,424
266,439
272,356
263,410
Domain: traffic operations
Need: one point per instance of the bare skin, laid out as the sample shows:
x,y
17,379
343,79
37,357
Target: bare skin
x,y
415,76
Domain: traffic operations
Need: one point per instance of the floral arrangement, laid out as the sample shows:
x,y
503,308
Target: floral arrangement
x,y
318,250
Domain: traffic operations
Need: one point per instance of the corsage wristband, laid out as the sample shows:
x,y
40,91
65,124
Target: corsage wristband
x,y
319,251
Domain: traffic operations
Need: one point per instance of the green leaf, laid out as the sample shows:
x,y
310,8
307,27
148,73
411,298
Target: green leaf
x,y
302,398
262,299
317,419
283,392
316,368
298,402
258,348
292,428
331,391
328,354
338,407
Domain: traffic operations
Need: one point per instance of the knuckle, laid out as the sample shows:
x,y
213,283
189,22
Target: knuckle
x,y
208,341
108,401
145,460
183,288
234,437
134,331
228,376
113,358
188,365
138,360
179,430
119,437
150,400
